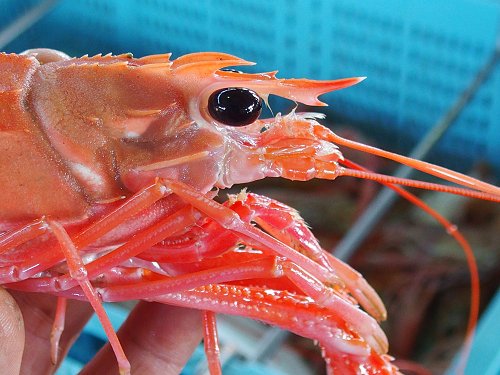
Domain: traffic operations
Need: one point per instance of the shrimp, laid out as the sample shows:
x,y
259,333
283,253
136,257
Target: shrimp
x,y
121,159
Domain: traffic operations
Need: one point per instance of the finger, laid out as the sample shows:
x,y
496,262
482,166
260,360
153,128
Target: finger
x,y
11,334
38,313
157,339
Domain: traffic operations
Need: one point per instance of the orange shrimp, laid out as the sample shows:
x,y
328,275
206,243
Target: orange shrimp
x,y
108,166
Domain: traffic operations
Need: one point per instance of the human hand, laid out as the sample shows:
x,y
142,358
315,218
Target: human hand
x,y
157,339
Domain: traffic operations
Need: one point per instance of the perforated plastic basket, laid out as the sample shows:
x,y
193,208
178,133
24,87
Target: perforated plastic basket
x,y
418,55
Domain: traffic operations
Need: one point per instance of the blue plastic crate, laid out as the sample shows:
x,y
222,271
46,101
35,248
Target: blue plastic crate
x,y
418,55
484,358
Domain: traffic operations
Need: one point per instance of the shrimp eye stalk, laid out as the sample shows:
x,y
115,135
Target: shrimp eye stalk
x,y
234,106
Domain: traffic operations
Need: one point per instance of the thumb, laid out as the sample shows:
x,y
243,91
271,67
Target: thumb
x,y
11,334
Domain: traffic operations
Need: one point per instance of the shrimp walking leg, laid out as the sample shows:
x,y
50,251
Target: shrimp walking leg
x,y
24,234
144,199
230,220
211,342
57,328
48,257
199,243
142,241
282,222
79,273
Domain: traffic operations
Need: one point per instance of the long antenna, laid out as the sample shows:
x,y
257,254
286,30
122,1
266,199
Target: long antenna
x,y
384,200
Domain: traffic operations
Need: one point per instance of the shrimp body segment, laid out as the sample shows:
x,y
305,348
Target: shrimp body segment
x,y
108,166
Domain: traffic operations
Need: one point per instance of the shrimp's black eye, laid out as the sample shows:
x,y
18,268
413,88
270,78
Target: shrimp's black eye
x,y
235,106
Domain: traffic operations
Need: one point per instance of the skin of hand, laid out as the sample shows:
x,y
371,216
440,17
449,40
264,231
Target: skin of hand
x,y
157,339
